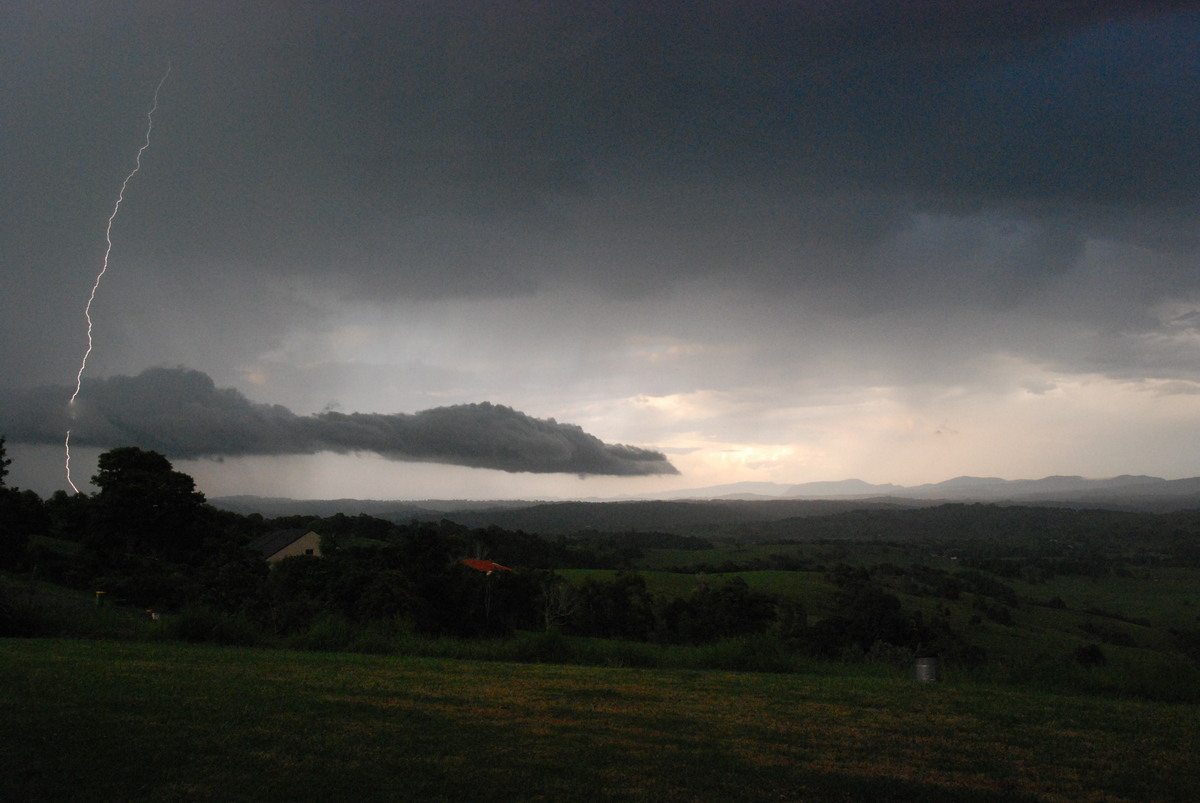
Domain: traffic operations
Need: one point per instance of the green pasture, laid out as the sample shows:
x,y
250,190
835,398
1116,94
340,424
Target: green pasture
x,y
669,584
829,554
1130,618
811,588
165,721
1166,596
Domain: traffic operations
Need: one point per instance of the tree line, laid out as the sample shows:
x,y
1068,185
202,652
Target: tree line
x,y
149,540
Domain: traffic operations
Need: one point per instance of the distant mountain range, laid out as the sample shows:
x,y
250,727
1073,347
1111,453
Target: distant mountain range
x,y
991,489
1127,492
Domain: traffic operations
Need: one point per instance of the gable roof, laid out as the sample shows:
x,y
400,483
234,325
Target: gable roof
x,y
278,540
487,566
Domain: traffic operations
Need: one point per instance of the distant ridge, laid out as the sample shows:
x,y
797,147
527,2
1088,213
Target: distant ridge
x,y
423,510
958,488
1125,492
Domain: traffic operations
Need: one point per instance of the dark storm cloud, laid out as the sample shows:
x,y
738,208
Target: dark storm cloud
x,y
636,151
471,149
858,155
183,414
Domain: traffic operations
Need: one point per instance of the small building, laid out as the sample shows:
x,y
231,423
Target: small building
x,y
287,543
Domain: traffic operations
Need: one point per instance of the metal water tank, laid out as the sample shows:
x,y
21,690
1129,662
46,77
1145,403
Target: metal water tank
x,y
928,670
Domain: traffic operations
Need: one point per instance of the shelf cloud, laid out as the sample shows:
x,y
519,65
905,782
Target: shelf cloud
x,y
183,414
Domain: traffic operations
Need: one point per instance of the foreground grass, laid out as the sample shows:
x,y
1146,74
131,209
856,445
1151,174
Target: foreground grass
x,y
165,721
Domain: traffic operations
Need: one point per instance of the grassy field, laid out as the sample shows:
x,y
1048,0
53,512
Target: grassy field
x,y
164,721
1163,596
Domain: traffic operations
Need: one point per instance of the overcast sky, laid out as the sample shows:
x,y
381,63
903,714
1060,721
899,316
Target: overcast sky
x,y
602,242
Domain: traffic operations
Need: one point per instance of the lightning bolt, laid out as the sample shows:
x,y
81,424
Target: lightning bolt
x,y
87,310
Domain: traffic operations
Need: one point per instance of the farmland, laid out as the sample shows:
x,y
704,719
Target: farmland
x,y
757,659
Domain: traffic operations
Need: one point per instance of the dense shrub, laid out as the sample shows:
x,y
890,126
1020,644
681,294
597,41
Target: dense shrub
x,y
17,615
545,647
1089,655
329,633
199,624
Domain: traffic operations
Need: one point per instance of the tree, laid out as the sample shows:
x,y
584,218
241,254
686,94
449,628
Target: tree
x,y
146,507
559,600
617,608
22,514
5,462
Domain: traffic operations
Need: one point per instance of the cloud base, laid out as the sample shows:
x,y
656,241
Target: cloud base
x,y
183,414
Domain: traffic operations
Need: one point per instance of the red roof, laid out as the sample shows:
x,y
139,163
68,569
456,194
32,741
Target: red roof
x,y
484,565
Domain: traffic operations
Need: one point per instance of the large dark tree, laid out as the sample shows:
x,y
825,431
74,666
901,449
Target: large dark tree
x,y
146,508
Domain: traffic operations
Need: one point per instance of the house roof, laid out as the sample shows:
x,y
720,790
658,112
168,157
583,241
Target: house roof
x,y
487,566
273,542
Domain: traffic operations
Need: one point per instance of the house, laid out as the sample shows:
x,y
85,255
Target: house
x,y
287,543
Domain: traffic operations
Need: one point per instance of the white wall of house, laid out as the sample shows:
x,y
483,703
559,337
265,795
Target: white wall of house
x,y
307,544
